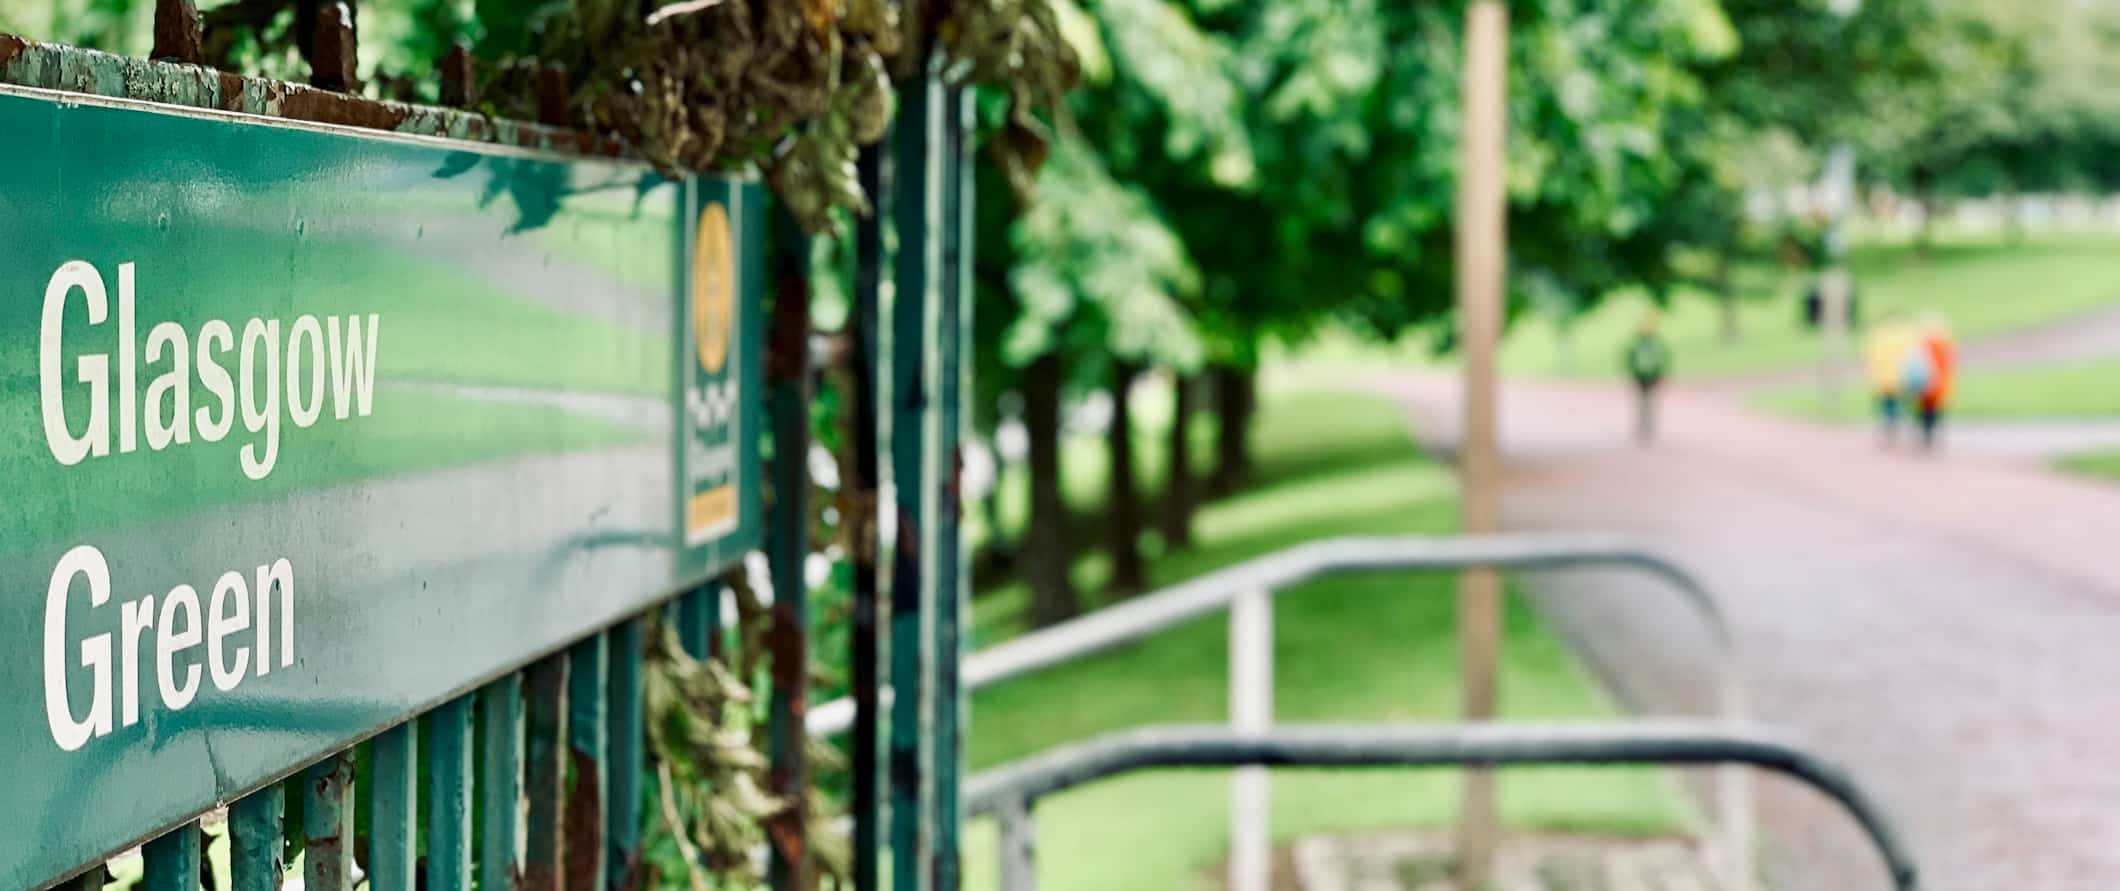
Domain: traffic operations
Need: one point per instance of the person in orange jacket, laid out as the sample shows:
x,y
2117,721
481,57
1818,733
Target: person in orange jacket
x,y
1940,354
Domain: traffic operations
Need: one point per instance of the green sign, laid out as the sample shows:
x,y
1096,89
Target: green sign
x,y
306,429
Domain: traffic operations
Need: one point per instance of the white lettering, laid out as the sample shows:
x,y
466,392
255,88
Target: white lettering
x,y
333,352
305,415
87,562
139,615
169,394
170,642
181,630
266,417
278,576
215,377
128,364
227,613
352,367
93,369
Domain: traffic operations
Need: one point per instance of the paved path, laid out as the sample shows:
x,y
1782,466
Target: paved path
x,y
1947,625
2032,440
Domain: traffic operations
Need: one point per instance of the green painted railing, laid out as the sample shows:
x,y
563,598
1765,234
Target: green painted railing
x,y
538,778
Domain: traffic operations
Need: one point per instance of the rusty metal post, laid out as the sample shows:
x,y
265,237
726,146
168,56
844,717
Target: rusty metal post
x,y
327,824
788,548
177,34
552,94
869,261
332,59
1482,252
459,78
545,773
586,765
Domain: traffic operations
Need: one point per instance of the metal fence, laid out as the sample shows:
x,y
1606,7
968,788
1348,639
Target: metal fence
x,y
530,774
1246,590
1011,791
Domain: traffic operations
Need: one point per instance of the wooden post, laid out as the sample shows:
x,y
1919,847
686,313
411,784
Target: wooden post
x,y
1482,241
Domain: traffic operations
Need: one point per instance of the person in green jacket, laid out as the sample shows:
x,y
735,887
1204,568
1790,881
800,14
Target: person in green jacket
x,y
1648,360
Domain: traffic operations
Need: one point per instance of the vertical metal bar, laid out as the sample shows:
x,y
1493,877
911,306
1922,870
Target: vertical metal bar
x,y
586,674
946,372
788,548
327,824
173,860
1019,848
333,55
699,620
1250,711
393,818
915,200
178,36
628,741
256,846
545,773
869,259
94,880
449,794
500,783
1733,793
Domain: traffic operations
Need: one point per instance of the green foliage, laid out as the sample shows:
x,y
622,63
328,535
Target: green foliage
x,y
1097,265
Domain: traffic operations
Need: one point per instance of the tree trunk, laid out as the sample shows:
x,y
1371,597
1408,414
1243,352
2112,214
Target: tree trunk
x,y
1726,295
1925,237
1178,496
1046,561
1235,400
1123,520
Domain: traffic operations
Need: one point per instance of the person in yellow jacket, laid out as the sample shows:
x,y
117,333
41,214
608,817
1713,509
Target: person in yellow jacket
x,y
1884,356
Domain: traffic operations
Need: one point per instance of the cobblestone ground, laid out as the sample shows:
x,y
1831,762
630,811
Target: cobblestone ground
x,y
1421,861
1946,626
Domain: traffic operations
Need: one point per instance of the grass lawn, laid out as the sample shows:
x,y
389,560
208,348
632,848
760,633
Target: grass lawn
x,y
1373,648
1983,285
2076,390
2101,465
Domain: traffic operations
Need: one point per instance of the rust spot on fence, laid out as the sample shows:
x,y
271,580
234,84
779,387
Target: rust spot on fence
x,y
459,79
585,823
11,47
177,36
332,55
322,107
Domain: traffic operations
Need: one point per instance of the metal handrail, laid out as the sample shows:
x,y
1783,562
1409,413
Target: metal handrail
x,y
1011,790
1245,590
1144,616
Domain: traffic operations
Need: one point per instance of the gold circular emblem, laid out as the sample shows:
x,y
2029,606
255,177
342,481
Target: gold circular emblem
x,y
713,288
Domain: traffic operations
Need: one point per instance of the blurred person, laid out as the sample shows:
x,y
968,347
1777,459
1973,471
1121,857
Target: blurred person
x,y
1939,353
1648,359
1884,355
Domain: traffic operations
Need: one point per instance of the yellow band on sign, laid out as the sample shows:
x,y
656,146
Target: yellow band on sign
x,y
712,509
